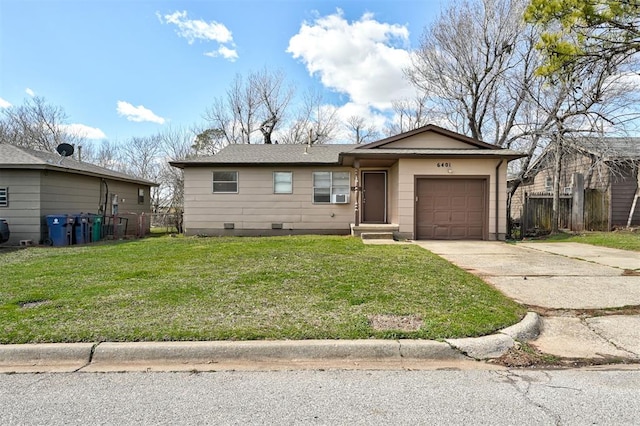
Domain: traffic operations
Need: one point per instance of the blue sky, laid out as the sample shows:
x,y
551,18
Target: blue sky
x,y
131,68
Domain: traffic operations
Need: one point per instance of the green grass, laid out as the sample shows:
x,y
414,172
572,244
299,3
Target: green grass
x,y
305,287
624,240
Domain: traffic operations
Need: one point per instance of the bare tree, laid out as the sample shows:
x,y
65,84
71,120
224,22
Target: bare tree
x,y
274,95
316,121
361,131
476,68
176,145
255,104
464,58
36,124
105,154
411,114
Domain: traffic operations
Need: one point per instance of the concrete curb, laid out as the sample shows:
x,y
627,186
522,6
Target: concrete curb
x,y
495,345
46,354
82,355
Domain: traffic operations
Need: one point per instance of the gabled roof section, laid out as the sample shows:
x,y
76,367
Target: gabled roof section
x,y
619,148
15,157
473,143
270,154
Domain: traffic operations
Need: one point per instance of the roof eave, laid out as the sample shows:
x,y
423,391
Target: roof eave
x,y
185,164
76,172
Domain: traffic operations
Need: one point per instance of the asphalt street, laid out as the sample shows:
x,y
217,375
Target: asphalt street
x,y
496,397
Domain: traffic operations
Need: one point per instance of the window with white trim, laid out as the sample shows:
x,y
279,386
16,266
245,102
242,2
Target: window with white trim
x,y
4,197
548,184
331,187
225,182
282,182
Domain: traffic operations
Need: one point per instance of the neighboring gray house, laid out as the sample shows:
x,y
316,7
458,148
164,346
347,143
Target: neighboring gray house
x,y
609,166
34,184
428,183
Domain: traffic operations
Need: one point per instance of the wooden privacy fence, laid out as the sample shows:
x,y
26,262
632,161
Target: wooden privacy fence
x,y
596,210
537,212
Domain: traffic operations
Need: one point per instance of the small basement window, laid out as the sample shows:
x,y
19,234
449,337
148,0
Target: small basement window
x,y
282,182
331,187
4,197
225,182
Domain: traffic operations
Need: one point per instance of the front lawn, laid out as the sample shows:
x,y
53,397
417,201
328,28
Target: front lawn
x,y
306,287
624,240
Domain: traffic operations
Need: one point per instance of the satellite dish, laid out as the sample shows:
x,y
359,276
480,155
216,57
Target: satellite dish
x,y
65,149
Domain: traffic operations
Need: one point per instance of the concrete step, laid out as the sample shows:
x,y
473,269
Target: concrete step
x,y
377,235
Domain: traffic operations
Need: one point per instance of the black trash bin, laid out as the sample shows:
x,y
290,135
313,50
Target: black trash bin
x,y
81,234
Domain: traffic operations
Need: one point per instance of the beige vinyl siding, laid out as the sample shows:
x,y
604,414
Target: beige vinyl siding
x,y
23,211
66,193
256,207
392,188
69,193
410,168
128,207
430,140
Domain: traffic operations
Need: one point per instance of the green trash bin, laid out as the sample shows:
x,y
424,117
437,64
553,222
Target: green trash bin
x,y
96,231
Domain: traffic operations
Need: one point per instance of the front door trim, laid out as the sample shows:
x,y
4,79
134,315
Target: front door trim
x,y
384,173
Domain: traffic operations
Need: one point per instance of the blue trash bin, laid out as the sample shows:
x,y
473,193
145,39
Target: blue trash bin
x,y
81,233
60,229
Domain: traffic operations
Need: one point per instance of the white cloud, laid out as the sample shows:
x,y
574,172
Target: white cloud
x,y
363,59
30,92
4,104
225,52
197,29
137,113
84,131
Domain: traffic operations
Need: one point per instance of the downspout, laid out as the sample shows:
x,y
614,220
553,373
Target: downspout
x,y
498,198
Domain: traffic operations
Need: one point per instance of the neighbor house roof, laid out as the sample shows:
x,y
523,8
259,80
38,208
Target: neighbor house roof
x,y
14,157
260,154
619,148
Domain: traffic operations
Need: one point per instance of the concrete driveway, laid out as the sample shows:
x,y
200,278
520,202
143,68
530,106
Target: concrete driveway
x,y
561,276
550,275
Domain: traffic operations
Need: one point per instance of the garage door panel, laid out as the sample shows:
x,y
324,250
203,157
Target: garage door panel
x,y
450,208
441,233
439,217
459,217
458,202
474,217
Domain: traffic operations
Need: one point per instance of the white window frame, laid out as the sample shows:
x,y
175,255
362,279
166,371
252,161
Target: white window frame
x,y
4,196
214,181
336,186
288,190
548,184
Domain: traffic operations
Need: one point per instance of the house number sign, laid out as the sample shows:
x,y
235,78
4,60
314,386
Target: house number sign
x,y
444,164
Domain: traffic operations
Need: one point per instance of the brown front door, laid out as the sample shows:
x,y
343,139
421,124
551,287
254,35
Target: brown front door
x,y
374,197
450,209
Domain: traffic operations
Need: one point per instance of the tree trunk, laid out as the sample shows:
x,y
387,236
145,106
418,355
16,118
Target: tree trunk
x,y
555,219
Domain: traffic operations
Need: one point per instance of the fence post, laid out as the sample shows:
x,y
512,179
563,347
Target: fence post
x,y
577,207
